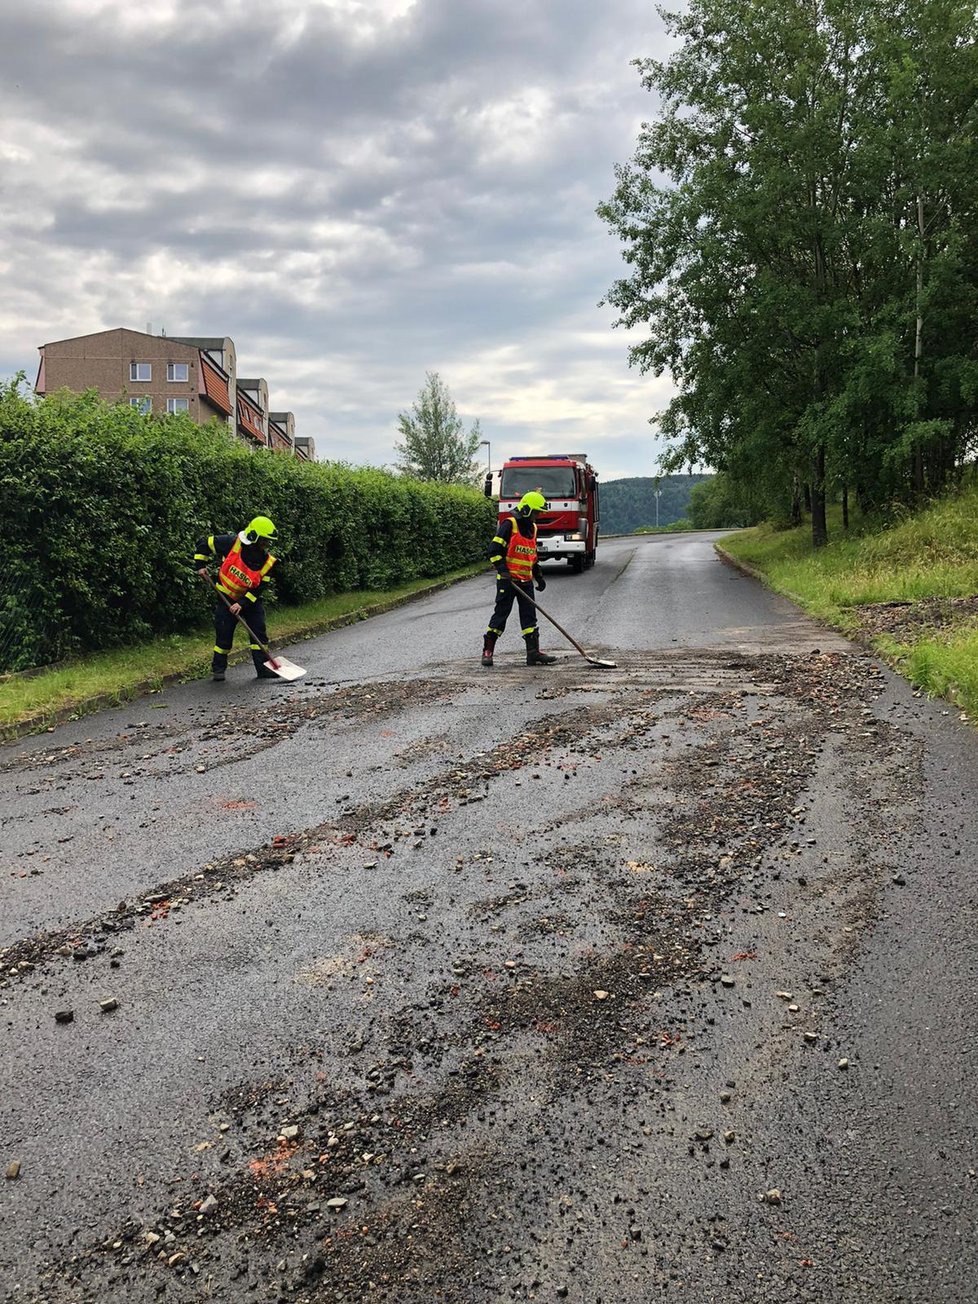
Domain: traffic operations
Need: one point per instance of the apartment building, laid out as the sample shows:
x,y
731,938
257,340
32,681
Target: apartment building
x,y
253,410
169,374
281,432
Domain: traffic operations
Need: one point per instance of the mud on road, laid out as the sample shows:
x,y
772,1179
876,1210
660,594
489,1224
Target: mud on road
x,y
556,1006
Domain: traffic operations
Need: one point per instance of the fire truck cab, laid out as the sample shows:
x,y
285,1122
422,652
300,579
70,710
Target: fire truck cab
x,y
567,529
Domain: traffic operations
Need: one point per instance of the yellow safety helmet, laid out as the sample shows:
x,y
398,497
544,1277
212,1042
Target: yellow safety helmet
x,y
260,528
532,502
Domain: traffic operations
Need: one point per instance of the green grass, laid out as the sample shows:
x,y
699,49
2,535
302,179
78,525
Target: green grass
x,y
931,555
33,701
947,668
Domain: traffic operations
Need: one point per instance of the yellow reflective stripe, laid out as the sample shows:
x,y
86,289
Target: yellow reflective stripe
x,y
201,556
251,597
210,543
268,565
256,647
223,650
496,538
497,557
528,630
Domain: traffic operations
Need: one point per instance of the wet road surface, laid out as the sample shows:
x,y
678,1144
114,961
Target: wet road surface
x,y
437,983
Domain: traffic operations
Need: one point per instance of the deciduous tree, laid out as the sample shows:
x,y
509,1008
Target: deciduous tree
x,y
434,445
799,223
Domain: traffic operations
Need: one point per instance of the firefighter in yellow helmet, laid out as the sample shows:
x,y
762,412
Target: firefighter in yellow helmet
x,y
513,552
245,563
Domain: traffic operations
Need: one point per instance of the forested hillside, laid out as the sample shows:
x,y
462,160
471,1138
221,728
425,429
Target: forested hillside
x,y
628,504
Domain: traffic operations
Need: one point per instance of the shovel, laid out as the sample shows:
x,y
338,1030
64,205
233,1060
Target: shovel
x,y
594,661
282,666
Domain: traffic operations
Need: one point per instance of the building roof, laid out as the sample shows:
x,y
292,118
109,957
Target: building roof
x,y
249,418
215,386
201,341
114,330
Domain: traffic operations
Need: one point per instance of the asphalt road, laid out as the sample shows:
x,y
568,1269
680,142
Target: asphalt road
x,y
436,983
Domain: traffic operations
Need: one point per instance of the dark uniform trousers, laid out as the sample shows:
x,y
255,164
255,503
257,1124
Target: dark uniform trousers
x,y
508,592
253,613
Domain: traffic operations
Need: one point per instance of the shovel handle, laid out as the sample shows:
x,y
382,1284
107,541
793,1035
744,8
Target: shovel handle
x,y
238,617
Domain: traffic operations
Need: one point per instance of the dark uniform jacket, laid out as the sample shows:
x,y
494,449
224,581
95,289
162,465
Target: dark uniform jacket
x,y
215,547
500,543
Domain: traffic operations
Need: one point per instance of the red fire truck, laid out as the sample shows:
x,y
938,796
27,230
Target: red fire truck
x,y
567,530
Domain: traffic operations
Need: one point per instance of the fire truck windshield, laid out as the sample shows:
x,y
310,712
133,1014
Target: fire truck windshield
x,y
551,481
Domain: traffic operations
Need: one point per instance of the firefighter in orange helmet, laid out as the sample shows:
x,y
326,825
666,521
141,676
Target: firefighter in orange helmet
x,y
513,552
245,563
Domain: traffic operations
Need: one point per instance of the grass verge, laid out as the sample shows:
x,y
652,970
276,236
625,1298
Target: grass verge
x,y
31,702
908,591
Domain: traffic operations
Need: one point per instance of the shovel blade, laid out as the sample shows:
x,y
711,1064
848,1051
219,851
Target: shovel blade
x,y
284,668
601,664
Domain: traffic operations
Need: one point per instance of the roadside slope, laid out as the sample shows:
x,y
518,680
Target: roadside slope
x,y
908,591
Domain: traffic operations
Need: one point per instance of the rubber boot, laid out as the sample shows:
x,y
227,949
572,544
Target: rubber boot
x,y
488,647
219,664
534,657
261,670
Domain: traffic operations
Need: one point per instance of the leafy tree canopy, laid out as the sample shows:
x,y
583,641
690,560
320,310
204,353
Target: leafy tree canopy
x,y
434,445
800,226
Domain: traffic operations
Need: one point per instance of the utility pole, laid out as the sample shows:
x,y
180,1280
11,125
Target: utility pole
x,y
657,493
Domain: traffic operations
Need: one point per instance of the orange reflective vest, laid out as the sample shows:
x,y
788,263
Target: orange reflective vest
x,y
521,554
236,578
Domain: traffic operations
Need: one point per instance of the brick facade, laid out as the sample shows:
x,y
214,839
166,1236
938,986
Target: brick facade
x,y
160,374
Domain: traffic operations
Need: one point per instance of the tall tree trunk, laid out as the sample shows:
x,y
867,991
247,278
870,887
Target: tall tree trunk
x,y
795,518
820,532
918,348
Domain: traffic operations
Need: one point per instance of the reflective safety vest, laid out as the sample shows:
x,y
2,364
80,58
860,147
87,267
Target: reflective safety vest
x,y
236,578
521,554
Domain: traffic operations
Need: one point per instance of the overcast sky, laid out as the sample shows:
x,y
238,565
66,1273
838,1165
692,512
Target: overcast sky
x,y
356,191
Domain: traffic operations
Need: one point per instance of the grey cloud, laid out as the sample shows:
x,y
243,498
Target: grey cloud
x,y
345,203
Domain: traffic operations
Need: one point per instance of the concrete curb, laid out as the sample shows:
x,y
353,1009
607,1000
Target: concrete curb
x,y
742,566
857,636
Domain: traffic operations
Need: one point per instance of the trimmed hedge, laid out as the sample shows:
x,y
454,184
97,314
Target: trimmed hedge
x,y
102,508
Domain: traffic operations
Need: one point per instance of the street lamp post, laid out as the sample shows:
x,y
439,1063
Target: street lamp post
x,y
486,445
657,494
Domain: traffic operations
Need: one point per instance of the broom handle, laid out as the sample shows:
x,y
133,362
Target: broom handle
x,y
556,626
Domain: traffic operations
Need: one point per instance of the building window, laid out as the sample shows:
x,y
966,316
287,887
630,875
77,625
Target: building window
x,y
144,404
177,405
178,371
140,371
